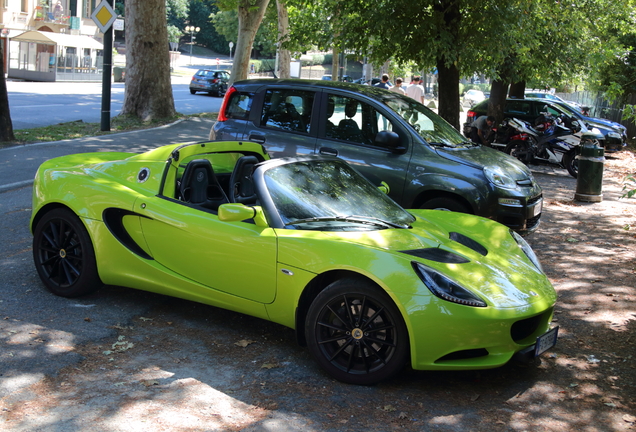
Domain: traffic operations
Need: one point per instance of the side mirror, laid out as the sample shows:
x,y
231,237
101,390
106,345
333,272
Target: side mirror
x,y
240,212
390,140
384,188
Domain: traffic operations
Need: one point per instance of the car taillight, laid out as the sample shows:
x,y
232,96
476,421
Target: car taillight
x,y
471,115
222,117
194,78
214,81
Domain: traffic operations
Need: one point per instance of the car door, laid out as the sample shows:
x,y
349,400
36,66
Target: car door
x,y
283,121
237,258
348,128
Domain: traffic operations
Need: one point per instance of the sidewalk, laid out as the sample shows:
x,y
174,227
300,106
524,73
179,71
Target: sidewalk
x,y
19,163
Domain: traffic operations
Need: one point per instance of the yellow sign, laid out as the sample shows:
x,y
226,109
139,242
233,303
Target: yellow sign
x,y
104,16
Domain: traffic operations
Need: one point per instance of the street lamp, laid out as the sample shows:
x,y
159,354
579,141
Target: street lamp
x,y
192,30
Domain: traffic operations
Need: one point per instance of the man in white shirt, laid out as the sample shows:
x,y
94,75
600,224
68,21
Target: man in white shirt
x,y
416,91
397,88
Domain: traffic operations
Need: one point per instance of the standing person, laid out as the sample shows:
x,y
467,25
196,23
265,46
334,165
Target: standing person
x,y
397,88
384,83
415,90
480,129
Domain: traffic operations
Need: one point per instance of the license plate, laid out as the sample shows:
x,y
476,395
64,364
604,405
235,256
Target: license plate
x,y
537,209
546,341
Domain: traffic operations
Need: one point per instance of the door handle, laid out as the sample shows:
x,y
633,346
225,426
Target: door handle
x,y
328,151
256,138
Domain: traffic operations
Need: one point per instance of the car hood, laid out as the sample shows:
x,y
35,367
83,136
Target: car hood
x,y
480,157
477,253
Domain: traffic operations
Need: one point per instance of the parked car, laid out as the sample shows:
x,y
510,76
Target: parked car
x,y
211,81
553,98
387,137
473,97
607,127
529,109
326,78
306,242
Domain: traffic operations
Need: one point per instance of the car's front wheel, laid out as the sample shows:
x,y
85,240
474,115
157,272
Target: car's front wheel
x,y
356,333
63,254
444,203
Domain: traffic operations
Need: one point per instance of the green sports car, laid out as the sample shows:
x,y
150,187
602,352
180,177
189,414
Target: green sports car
x,y
306,242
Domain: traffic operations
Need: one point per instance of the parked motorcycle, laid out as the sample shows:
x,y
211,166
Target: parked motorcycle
x,y
551,140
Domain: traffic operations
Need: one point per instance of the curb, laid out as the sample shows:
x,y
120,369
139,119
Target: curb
x,y
21,184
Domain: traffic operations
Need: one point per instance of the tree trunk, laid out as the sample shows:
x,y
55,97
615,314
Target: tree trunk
x,y
148,92
335,64
447,68
517,90
448,92
284,57
497,100
249,20
6,127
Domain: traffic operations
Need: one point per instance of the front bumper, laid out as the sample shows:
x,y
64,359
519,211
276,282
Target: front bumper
x,y
523,217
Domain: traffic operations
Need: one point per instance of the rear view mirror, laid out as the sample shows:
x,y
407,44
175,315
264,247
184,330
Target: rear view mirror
x,y
390,140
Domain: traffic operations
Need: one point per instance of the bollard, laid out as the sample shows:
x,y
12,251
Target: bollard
x,y
589,182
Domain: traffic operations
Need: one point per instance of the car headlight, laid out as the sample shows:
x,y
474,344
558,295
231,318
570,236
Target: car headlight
x,y
498,177
445,288
527,249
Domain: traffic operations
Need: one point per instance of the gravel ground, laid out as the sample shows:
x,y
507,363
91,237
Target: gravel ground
x,y
181,366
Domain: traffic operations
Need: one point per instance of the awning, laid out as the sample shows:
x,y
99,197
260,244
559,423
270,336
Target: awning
x,y
60,39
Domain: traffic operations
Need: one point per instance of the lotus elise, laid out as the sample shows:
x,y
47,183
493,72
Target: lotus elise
x,y
306,242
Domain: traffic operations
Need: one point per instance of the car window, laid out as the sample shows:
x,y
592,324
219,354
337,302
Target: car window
x,y
239,106
518,107
289,110
352,120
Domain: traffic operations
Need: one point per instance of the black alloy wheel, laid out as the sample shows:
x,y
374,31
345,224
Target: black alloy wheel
x,y
356,333
64,255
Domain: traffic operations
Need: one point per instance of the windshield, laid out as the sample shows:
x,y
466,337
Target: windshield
x,y
426,123
330,195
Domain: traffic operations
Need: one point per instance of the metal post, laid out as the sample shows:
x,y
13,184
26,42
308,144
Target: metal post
x,y
192,30
108,63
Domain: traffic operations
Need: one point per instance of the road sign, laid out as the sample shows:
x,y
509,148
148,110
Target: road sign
x,y
104,16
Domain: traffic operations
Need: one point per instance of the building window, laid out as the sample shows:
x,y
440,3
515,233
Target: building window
x,y
25,5
89,7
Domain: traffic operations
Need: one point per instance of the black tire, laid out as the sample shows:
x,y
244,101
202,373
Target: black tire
x,y
356,333
520,150
64,256
192,91
445,203
571,163
221,91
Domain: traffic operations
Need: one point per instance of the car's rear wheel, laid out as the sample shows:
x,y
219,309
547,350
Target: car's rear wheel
x,y
520,150
356,333
444,203
64,256
192,91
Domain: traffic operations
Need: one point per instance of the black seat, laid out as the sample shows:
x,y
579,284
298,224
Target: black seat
x,y
348,128
200,186
241,185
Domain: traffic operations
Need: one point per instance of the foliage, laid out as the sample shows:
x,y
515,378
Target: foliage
x,y
226,24
629,186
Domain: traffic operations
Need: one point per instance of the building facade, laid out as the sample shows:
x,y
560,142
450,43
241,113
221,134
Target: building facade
x,y
57,56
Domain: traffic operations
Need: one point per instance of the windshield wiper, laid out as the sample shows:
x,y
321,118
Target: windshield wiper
x,y
367,220
441,144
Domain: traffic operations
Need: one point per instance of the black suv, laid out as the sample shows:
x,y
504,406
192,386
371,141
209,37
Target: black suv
x,y
387,137
530,108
